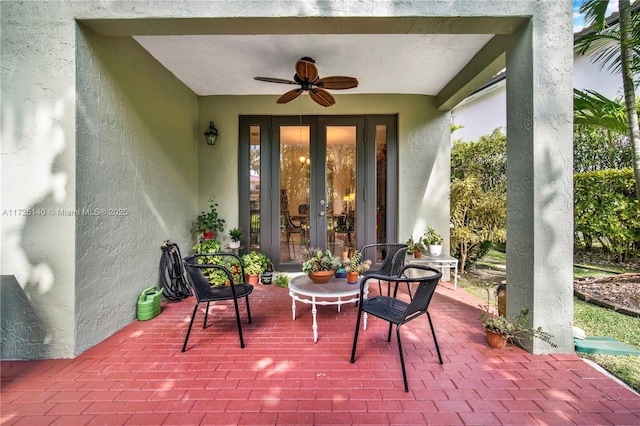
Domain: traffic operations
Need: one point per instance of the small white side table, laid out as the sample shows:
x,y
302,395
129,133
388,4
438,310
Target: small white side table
x,y
442,261
337,291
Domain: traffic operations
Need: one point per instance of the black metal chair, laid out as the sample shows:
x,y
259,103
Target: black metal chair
x,y
204,292
287,223
393,259
397,311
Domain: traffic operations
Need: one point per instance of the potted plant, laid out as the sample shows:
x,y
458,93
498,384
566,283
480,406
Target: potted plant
x,y
207,246
500,330
235,234
418,249
354,266
415,247
433,240
410,244
254,263
282,280
216,277
319,264
209,223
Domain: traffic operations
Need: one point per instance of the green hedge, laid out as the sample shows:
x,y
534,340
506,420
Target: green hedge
x,y
606,211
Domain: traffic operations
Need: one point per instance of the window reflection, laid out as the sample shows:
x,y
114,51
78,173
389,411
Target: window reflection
x,y
295,166
254,188
341,187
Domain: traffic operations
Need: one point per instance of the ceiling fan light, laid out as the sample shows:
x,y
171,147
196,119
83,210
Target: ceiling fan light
x,y
307,77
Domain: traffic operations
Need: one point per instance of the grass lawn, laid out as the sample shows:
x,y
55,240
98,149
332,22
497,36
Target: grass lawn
x,y
597,321
594,320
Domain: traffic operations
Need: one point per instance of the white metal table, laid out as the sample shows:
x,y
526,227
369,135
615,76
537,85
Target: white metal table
x,y
442,261
335,292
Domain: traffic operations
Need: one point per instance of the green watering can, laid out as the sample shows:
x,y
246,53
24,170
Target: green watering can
x,y
149,303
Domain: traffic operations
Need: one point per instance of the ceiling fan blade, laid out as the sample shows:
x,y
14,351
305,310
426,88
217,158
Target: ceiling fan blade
x,y
337,82
322,97
306,70
289,96
275,80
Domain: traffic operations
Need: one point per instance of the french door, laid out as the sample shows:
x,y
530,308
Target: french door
x,y
317,181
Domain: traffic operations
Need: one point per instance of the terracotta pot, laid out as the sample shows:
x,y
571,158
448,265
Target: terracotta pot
x,y
417,254
352,277
321,277
252,278
496,340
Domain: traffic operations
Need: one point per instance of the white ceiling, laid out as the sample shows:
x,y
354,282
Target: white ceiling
x,y
383,63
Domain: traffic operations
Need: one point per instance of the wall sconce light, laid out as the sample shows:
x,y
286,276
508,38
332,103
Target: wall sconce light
x,y
211,134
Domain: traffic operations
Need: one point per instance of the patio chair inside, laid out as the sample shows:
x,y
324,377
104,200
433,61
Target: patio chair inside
x,y
399,312
288,224
204,292
392,255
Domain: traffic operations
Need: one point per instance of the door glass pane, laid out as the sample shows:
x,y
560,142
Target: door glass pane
x,y
254,188
381,183
341,189
294,190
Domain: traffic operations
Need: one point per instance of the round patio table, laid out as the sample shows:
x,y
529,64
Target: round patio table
x,y
334,292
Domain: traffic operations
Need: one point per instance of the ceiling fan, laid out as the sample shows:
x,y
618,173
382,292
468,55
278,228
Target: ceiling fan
x,y
307,78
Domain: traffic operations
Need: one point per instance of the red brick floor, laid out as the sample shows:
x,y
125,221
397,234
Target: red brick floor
x,y
140,376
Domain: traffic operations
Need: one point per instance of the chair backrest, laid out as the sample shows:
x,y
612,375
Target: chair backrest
x,y
397,261
199,282
427,280
288,222
391,263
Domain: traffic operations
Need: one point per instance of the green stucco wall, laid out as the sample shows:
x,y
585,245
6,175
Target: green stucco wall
x,y
423,139
137,168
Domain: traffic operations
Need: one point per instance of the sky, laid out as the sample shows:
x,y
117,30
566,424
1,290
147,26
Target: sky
x,y
578,19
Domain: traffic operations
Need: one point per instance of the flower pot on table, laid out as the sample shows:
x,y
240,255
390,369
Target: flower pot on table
x,y
321,277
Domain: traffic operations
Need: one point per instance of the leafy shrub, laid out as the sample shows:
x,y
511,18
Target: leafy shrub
x,y
255,262
595,148
217,277
478,196
282,280
478,217
606,210
485,159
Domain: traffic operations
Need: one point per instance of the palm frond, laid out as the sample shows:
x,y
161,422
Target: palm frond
x,y
593,109
595,13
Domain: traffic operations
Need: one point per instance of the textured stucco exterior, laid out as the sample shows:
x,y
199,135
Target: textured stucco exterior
x,y
540,178
90,121
138,169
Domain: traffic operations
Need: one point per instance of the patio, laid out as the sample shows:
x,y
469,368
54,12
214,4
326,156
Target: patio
x,y
140,376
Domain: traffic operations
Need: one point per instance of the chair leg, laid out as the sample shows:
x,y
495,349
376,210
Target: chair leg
x,y
389,335
355,337
206,315
248,310
404,372
435,340
235,304
193,316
